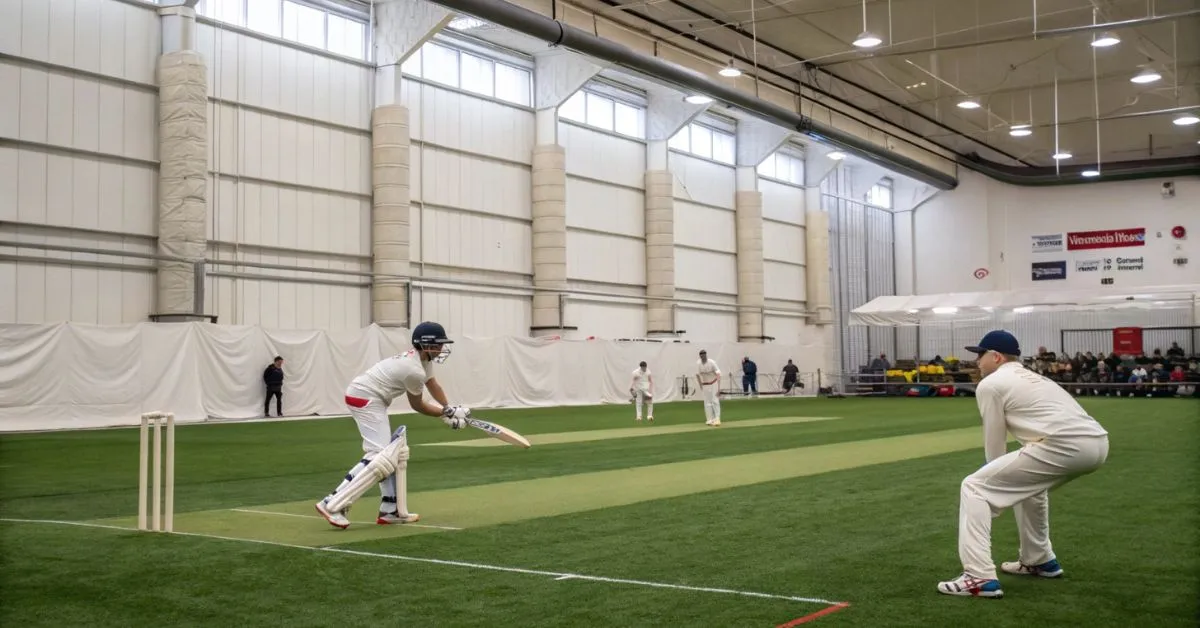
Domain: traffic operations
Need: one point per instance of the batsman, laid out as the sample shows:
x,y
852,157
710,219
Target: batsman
x,y
385,453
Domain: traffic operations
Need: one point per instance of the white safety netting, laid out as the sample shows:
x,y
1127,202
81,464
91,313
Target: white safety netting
x,y
68,375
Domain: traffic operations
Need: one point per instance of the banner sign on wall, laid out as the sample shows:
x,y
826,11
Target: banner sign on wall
x,y
1108,239
1087,265
1047,243
1043,271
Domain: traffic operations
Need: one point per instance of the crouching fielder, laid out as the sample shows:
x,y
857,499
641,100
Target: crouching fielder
x,y
642,391
708,375
385,453
1059,442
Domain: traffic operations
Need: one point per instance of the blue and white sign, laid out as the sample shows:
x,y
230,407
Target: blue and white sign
x,y
1043,271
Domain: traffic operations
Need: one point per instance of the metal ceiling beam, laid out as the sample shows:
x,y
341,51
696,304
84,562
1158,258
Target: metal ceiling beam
x,y
800,60
556,33
855,55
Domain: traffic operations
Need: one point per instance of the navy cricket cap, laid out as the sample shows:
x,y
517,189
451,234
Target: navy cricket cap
x,y
999,341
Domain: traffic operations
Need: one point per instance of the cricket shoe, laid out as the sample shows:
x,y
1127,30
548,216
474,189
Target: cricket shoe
x,y
388,518
970,586
1050,569
335,519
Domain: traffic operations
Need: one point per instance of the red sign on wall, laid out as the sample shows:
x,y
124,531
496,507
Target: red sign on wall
x,y
1127,341
1108,239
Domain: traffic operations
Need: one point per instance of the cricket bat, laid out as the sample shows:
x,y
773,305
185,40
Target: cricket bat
x,y
496,430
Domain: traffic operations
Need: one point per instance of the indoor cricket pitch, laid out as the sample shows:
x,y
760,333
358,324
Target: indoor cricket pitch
x,y
834,512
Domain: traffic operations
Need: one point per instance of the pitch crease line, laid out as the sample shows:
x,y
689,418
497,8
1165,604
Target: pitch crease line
x,y
288,514
457,563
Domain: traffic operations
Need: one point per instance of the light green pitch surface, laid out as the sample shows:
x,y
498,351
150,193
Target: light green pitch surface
x,y
509,502
649,429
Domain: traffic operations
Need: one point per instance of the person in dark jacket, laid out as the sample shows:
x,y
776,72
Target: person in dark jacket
x,y
749,377
273,378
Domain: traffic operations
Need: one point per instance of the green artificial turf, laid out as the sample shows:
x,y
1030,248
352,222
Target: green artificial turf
x,y
859,509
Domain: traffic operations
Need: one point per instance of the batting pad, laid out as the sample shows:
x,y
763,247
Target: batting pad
x,y
384,464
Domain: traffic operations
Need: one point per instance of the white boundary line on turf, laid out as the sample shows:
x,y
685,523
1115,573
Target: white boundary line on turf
x,y
454,563
288,514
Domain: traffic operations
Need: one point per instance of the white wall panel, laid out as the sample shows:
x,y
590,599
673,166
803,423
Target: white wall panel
x,y
702,181
474,315
606,319
454,238
467,123
705,227
903,225
608,259
705,270
466,182
784,281
603,156
287,305
786,330
708,325
600,207
782,202
783,243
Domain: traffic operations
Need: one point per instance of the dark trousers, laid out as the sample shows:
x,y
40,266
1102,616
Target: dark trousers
x,y
277,393
749,382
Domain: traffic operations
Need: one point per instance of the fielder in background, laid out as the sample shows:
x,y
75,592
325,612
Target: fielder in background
x,y
708,376
385,453
1059,442
790,375
642,391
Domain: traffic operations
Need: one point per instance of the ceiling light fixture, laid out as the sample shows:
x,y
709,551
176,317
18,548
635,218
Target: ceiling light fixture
x,y
1062,155
1186,119
1105,40
1090,173
1020,130
969,103
1147,75
698,99
465,23
836,155
729,71
866,39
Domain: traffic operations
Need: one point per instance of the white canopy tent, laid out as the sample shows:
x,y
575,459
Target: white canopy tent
x,y
984,306
1067,320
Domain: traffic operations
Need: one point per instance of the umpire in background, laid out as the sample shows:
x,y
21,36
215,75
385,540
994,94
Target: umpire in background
x,y
273,378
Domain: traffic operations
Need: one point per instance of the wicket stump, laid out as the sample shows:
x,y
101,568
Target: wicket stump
x,y
161,515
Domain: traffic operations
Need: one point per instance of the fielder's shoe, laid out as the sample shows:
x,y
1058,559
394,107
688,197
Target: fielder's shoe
x,y
968,585
335,519
1049,569
650,418
388,518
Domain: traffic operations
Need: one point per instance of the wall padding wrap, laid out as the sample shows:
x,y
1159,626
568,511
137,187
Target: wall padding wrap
x,y
749,224
390,142
660,251
182,176
549,233
816,248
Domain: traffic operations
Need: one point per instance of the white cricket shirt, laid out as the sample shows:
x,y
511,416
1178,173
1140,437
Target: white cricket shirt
x,y
708,371
641,379
1016,400
398,374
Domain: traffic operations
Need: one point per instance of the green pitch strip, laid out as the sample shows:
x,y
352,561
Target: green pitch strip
x,y
649,429
510,502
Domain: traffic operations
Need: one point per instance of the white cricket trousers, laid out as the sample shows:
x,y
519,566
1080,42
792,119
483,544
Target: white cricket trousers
x,y
370,414
640,398
712,403
1021,480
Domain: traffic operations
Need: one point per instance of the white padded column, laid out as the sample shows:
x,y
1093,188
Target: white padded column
x,y
748,205
390,142
549,235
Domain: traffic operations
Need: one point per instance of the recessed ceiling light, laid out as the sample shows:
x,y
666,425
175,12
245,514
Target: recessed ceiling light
x,y
1186,119
867,40
969,103
1090,173
836,155
729,71
1062,155
1020,130
698,99
1105,40
1146,76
